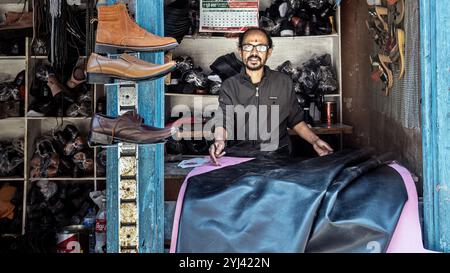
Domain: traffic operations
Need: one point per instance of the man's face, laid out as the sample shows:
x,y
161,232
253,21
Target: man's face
x,y
255,60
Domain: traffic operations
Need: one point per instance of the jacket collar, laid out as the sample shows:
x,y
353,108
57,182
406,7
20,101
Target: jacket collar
x,y
246,78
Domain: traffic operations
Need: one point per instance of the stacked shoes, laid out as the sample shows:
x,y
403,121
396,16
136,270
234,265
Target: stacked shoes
x,y
127,36
52,98
12,96
65,153
314,77
298,17
11,158
189,79
118,32
52,206
312,80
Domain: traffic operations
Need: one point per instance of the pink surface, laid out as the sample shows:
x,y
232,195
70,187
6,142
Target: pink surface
x,y
407,237
225,162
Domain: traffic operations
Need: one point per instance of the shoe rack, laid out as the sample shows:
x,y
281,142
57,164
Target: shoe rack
x,y
31,128
204,49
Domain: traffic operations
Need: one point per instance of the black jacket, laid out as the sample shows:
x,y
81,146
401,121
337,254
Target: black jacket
x,y
275,89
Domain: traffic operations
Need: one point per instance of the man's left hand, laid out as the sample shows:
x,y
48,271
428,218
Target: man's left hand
x,y
322,148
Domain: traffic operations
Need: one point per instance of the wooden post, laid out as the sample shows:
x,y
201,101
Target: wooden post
x,y
150,15
435,60
150,198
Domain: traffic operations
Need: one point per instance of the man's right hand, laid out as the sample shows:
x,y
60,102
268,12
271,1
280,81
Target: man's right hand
x,y
216,151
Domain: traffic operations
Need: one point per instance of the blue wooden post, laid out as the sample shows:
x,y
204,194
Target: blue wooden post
x,y
435,55
150,15
112,175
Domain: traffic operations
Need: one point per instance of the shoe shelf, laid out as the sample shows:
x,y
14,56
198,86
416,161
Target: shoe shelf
x,y
39,57
30,128
13,57
219,38
12,179
88,178
60,118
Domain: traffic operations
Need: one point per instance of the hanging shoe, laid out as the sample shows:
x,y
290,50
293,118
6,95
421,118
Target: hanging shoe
x,y
401,49
383,63
118,31
378,12
126,128
399,10
101,70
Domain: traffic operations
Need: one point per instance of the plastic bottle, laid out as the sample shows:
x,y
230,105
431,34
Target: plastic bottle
x,y
89,223
100,229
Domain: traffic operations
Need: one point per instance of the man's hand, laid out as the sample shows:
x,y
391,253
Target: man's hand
x,y
216,151
322,148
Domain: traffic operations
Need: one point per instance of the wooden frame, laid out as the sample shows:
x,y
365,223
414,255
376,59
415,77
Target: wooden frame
x,y
435,60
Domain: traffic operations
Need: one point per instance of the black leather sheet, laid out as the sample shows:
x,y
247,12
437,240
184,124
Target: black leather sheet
x,y
346,202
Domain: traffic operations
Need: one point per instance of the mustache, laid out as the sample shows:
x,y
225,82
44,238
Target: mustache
x,y
254,56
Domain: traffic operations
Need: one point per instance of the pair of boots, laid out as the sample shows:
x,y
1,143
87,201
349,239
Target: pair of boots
x,y
116,32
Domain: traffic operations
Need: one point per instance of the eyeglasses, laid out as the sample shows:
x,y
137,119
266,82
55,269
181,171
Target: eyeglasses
x,y
259,48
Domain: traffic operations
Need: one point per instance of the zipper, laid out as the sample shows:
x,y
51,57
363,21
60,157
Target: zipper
x,y
257,114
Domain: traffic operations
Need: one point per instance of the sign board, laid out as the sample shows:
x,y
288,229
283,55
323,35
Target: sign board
x,y
228,15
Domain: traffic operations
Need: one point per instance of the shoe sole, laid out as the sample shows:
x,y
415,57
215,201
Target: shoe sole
x,y
115,49
98,78
102,140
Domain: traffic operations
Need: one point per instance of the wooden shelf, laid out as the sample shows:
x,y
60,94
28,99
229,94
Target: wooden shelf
x,y
12,179
206,37
14,119
66,179
39,57
13,57
63,118
329,129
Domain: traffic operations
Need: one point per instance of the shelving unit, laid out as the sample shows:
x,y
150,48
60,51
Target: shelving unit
x,y
30,128
205,49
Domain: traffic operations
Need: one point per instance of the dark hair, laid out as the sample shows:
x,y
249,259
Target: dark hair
x,y
248,31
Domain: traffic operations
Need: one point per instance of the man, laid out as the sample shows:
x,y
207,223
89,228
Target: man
x,y
258,86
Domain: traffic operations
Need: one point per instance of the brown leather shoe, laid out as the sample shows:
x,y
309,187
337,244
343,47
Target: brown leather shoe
x,y
118,31
102,70
126,128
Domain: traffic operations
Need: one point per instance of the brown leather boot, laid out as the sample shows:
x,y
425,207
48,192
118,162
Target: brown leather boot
x,y
101,70
117,31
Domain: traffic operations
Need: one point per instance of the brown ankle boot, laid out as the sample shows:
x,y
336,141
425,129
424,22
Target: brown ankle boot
x,y
117,31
